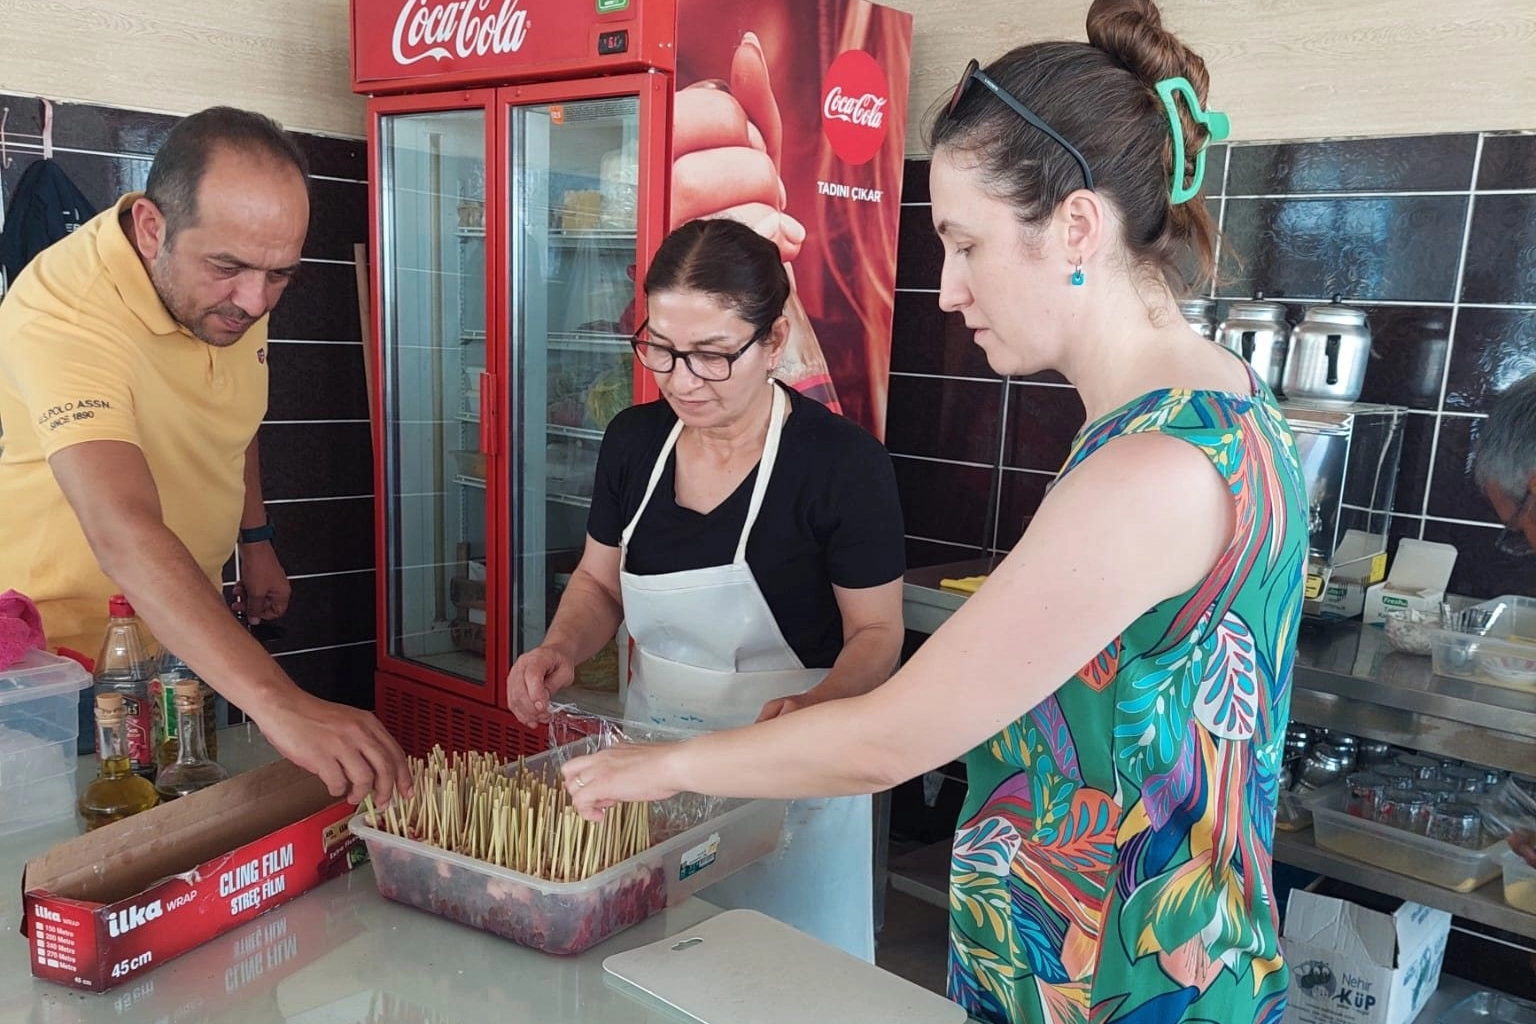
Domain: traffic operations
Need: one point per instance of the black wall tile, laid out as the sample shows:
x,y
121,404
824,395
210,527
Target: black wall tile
x,y
319,305
1482,571
925,339
944,419
326,611
316,382
340,674
943,501
316,537
110,129
334,157
1397,248
1422,163
921,553
338,219
914,181
316,460
1501,250
1022,495
1413,465
1509,161
1408,353
1494,349
1042,423
101,179
1453,494
919,253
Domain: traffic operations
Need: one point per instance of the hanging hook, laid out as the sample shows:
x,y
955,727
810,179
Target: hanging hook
x,y
5,158
47,130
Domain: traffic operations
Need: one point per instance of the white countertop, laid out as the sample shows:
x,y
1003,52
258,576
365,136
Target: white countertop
x,y
339,954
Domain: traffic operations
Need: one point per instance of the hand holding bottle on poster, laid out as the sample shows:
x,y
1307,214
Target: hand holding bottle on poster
x,y
727,146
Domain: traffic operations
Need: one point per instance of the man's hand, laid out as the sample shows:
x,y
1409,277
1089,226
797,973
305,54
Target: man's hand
x,y
347,747
1524,843
264,588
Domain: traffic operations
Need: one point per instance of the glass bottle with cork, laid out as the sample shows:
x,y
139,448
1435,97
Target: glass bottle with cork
x,y
126,666
193,769
117,791
163,689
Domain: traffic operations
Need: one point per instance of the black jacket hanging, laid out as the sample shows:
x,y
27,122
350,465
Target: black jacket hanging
x,y
45,207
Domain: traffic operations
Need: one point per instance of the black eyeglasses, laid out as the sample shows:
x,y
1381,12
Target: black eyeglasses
x,y
710,366
973,73
1513,540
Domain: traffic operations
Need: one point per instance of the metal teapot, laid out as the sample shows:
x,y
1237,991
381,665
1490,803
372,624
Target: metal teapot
x,y
1330,350
1257,331
1200,314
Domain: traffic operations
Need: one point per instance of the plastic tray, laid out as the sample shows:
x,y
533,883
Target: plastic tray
x,y
569,917
1506,655
1428,860
1490,1008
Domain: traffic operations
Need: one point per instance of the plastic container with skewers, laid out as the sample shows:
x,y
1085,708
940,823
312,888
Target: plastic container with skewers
x,y
563,917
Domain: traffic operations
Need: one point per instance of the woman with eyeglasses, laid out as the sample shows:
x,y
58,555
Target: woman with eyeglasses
x,y
1122,680
750,541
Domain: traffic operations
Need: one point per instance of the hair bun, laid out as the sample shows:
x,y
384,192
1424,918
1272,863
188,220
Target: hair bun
x,y
1132,33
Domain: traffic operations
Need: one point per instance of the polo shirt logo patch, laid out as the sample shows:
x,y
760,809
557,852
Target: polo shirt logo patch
x,y
261,354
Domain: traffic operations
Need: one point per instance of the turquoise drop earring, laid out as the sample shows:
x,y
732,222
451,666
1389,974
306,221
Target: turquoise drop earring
x,y
1077,275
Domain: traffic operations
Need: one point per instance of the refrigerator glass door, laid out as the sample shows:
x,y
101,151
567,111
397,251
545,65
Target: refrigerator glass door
x,y
433,287
571,249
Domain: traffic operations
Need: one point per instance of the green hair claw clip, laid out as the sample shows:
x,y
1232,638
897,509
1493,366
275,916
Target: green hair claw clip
x,y
1217,126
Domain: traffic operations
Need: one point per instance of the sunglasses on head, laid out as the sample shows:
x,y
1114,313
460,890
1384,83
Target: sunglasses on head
x,y
973,73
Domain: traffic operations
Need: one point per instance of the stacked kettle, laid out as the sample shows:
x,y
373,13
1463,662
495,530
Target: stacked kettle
x,y
1324,357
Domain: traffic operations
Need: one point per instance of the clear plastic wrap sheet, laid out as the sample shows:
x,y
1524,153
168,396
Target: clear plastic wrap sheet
x,y
574,732
1509,809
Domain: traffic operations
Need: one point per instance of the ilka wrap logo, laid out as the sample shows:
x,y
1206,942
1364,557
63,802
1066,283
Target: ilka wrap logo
x,y
855,95
466,28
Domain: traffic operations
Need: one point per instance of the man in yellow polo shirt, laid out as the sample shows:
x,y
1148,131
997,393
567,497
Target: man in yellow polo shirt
x,y
133,378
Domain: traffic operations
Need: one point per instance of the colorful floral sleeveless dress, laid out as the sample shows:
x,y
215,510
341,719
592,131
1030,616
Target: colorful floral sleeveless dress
x,y
1112,861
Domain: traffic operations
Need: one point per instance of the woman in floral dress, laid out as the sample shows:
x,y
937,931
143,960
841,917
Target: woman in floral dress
x,y
1122,679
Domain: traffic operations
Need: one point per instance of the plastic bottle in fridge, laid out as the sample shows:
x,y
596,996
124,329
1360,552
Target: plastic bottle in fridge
x,y
126,666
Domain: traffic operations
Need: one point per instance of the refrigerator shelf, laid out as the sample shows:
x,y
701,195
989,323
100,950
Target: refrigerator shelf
x,y
575,236
588,341
471,337
469,481
468,232
581,433
569,499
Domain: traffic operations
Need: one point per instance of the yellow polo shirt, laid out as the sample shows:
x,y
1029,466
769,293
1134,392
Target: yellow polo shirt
x,y
89,353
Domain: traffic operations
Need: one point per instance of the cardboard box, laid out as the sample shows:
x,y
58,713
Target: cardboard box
x,y
1421,570
1350,965
1358,563
104,908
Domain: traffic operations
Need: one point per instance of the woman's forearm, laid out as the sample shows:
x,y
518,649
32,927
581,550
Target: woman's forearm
x,y
868,658
587,618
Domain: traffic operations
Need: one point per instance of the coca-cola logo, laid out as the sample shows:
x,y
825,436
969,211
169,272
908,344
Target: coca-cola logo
x,y
467,28
855,100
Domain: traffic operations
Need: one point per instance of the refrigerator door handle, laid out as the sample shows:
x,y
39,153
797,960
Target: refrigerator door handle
x,y
489,433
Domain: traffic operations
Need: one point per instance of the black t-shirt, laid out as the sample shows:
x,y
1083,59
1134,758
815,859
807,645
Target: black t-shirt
x,y
830,516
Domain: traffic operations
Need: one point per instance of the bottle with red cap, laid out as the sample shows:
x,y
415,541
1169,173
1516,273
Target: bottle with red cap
x,y
125,667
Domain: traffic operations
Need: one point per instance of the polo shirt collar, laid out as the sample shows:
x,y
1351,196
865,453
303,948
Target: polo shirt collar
x,y
127,271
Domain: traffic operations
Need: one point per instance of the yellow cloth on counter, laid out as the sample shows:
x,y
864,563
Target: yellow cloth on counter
x,y
89,353
967,584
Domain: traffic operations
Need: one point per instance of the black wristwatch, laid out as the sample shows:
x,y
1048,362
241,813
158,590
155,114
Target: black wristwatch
x,y
257,534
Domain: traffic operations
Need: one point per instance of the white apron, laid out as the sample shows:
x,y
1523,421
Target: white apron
x,y
708,655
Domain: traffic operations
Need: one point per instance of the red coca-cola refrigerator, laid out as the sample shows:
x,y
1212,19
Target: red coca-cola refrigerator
x,y
527,158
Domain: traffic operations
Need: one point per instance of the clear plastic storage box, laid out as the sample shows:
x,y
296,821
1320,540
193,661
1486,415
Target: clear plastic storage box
x,y
39,727
1504,654
569,917
1519,883
1407,853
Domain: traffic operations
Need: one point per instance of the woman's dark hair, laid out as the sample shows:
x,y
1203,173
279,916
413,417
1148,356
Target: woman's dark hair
x,y
727,260
182,159
1101,97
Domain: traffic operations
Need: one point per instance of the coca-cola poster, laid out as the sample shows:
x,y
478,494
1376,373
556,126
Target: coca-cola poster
x,y
823,85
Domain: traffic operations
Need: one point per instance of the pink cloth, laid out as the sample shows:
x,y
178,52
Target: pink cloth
x,y
21,628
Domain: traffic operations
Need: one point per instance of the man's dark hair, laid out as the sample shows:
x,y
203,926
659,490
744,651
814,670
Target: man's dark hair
x,y
180,164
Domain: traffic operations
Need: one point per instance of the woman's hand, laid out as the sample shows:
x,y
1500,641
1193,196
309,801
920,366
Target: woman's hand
x,y
534,679
1524,843
619,775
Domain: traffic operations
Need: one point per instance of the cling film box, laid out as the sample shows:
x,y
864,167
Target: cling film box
x,y
110,905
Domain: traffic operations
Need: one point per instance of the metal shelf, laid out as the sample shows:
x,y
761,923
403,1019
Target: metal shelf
x,y
588,341
1484,905
581,433
469,481
467,417
615,238
464,232
569,499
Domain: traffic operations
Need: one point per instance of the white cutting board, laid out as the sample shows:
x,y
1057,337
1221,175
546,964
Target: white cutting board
x,y
743,967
